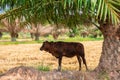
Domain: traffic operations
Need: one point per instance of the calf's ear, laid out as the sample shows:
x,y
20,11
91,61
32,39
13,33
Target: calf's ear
x,y
46,41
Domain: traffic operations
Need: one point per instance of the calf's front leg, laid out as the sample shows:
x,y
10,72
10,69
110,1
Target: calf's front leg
x,y
59,63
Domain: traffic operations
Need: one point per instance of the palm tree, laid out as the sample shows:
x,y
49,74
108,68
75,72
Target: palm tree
x,y
104,14
12,26
108,18
35,21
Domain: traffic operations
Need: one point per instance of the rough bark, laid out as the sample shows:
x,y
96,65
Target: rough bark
x,y
110,57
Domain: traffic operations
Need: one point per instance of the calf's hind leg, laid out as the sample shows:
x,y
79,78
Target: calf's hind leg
x,y
84,61
79,61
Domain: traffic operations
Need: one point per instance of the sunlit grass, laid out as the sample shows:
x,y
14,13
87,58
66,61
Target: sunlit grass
x,y
30,55
26,52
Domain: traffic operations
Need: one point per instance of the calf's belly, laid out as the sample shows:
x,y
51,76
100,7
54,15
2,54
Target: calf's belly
x,y
69,55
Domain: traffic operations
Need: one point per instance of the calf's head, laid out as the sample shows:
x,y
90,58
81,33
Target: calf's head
x,y
45,46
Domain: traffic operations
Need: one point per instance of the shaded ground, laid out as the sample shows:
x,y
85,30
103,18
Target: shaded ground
x,y
29,73
30,55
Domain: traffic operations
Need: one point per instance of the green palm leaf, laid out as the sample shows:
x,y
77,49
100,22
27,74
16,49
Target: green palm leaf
x,y
107,10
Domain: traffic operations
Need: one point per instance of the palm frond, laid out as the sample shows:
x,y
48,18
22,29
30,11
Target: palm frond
x,y
107,11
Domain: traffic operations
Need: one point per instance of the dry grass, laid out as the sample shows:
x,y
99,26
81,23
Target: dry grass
x,y
30,55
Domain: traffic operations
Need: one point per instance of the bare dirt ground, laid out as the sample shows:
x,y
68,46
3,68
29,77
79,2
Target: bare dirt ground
x,y
30,55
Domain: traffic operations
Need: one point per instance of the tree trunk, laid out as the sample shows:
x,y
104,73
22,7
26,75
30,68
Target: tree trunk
x,y
36,36
36,26
110,57
13,36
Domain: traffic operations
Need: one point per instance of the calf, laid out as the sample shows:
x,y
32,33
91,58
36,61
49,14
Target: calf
x,y
68,49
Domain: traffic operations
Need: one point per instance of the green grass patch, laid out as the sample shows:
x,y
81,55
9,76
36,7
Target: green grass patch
x,y
73,39
103,75
19,42
50,38
43,68
77,39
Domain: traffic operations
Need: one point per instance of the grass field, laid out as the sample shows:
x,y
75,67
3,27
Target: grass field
x,y
30,55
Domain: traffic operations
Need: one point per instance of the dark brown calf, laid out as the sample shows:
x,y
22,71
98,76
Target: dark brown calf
x,y
68,49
